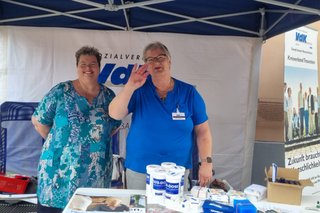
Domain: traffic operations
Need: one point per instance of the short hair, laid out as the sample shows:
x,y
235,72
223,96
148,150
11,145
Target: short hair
x,y
86,50
156,45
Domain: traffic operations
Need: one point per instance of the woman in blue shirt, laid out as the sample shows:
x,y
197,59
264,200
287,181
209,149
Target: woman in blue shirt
x,y
166,113
73,118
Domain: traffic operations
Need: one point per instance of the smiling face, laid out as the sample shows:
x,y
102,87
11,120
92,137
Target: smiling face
x,y
88,68
158,62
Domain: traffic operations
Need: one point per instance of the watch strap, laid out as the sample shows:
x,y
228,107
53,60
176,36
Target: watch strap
x,y
207,160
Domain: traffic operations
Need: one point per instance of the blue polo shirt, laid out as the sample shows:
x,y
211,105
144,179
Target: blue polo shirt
x,y
154,136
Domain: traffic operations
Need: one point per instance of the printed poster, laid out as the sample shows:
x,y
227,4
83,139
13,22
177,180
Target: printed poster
x,y
301,103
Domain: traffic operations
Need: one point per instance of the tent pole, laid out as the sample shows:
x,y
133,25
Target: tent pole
x,y
282,17
291,6
262,23
125,13
64,14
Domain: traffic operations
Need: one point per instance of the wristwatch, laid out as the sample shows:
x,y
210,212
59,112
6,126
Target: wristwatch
x,y
207,160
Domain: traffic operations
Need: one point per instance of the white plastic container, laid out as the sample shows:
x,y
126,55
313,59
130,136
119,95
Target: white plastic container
x,y
181,170
158,186
167,165
150,169
173,190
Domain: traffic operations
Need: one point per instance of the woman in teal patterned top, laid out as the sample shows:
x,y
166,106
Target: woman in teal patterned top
x,y
74,119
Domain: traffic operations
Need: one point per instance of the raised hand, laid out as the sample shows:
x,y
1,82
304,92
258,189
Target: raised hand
x,y
138,76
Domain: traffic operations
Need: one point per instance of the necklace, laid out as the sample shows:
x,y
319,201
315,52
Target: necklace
x,y
163,93
163,99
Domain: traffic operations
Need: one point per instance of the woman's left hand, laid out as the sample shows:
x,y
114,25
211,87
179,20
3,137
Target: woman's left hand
x,y
205,174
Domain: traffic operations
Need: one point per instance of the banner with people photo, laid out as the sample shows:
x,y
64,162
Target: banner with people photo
x,y
301,103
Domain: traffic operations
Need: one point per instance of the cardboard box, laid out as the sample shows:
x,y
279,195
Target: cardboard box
x,y
255,192
287,188
218,195
244,206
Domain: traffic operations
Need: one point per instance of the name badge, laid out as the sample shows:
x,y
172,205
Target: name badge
x,y
178,115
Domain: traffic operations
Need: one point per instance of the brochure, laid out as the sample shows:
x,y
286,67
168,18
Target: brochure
x,y
106,200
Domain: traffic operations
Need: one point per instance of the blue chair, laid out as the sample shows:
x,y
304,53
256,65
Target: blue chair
x,y
20,144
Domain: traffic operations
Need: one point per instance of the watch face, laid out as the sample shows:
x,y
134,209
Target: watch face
x,y
209,160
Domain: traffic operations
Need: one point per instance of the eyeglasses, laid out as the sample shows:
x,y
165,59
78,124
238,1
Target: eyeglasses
x,y
91,66
160,58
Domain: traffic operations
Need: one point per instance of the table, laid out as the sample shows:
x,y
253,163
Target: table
x,y
308,201
18,203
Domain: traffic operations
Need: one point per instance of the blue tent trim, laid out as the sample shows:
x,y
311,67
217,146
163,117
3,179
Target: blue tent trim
x,y
250,18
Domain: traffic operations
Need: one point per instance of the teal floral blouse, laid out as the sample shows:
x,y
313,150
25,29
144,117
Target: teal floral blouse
x,y
77,151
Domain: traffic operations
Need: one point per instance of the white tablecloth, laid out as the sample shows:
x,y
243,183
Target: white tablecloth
x,y
308,201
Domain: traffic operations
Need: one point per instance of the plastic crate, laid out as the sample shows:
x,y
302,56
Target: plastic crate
x,y
15,185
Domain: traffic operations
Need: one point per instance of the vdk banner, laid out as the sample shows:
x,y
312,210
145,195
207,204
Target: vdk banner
x,y
225,70
301,103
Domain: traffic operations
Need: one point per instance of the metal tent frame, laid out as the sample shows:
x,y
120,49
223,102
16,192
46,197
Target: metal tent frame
x,y
252,18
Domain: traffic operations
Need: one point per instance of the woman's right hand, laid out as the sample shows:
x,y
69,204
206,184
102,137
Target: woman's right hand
x,y
138,76
118,108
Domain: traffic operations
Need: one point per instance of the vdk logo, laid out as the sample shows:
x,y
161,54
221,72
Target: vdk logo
x,y
301,37
118,75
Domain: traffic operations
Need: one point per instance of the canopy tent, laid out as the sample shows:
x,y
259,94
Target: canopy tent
x,y
250,18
